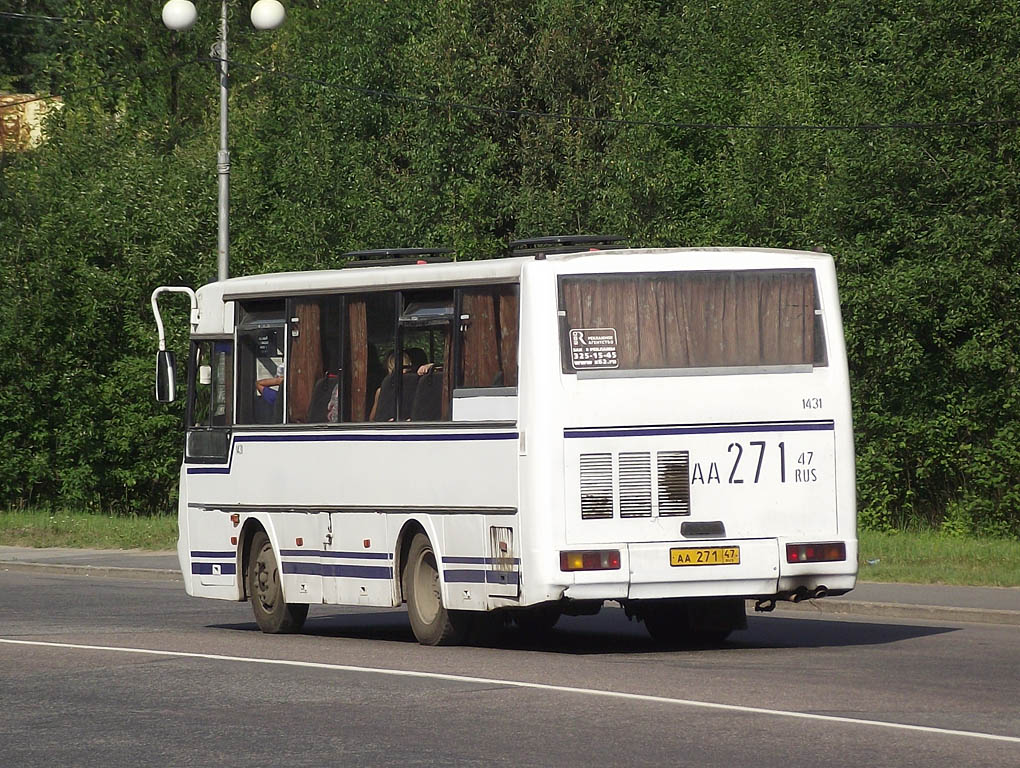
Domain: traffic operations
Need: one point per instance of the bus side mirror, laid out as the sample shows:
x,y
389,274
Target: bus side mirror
x,y
166,377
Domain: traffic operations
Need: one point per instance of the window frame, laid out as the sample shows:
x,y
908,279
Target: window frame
x,y
216,435
278,312
819,353
245,391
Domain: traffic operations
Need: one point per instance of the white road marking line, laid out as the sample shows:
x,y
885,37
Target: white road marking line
x,y
524,684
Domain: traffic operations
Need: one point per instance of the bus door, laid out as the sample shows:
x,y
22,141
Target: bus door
x,y
210,401
209,417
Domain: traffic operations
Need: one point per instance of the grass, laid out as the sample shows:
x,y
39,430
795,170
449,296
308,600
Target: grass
x,y
921,557
926,557
32,528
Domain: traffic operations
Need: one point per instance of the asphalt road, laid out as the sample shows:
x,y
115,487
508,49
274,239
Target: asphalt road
x,y
108,672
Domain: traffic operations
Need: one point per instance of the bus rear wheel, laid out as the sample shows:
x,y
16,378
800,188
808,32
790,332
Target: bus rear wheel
x,y
431,621
696,622
272,614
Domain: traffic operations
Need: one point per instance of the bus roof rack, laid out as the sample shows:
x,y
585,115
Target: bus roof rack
x,y
392,257
539,247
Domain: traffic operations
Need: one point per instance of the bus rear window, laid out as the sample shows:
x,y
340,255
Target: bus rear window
x,y
732,319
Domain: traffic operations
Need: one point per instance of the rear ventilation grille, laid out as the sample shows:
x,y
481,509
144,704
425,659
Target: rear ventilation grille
x,y
596,485
674,483
643,484
635,485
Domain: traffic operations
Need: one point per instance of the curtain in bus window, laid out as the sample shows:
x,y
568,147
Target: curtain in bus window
x,y
509,313
447,377
357,366
490,338
699,319
306,363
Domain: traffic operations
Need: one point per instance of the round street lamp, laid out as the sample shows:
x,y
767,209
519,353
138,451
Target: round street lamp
x,y
180,15
267,14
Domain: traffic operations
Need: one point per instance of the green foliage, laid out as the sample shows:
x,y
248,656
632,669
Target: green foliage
x,y
349,130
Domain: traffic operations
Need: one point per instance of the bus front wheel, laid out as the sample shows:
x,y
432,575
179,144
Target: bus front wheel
x,y
431,621
272,614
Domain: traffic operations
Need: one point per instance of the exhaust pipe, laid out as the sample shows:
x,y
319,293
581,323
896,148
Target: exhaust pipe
x,y
820,592
799,594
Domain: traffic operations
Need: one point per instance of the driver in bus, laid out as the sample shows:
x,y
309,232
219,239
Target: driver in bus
x,y
266,405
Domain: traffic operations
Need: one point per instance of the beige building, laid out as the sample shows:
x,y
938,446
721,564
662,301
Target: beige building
x,y
21,120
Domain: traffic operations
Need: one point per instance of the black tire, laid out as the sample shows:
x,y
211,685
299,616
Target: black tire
x,y
702,622
272,614
667,623
431,621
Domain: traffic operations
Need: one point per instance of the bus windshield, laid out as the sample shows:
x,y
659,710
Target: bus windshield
x,y
691,320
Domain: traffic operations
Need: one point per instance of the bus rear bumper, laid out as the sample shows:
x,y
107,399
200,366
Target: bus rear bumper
x,y
677,570
687,569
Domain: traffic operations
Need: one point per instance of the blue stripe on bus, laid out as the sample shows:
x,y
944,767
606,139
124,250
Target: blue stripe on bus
x,y
349,438
358,571
206,569
702,429
502,577
310,569
217,555
342,571
472,576
480,560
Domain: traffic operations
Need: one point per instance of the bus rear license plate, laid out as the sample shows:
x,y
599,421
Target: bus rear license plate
x,y
704,556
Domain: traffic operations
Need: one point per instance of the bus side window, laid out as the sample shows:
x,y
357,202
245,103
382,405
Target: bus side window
x,y
261,364
489,337
200,411
426,322
313,375
370,336
213,371
210,404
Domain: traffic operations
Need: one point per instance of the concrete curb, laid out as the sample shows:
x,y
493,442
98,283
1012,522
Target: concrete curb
x,y
832,606
901,611
112,571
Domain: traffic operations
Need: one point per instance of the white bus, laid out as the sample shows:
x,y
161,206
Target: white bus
x,y
669,429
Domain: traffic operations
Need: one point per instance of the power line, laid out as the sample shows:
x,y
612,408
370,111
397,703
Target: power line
x,y
94,86
37,17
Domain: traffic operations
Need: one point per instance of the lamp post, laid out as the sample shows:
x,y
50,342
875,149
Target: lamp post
x,y
180,15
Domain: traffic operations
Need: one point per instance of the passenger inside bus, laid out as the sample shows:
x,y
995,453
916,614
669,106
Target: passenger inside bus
x,y
268,404
384,407
415,370
324,406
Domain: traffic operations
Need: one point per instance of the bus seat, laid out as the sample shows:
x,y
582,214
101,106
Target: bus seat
x,y
386,408
318,406
428,397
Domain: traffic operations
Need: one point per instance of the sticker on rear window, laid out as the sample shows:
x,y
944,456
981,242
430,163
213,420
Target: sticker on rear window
x,y
593,348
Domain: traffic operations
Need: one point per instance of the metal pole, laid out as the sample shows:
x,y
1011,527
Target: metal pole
x,y
223,160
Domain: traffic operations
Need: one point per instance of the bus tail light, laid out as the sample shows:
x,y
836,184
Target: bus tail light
x,y
588,560
827,552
